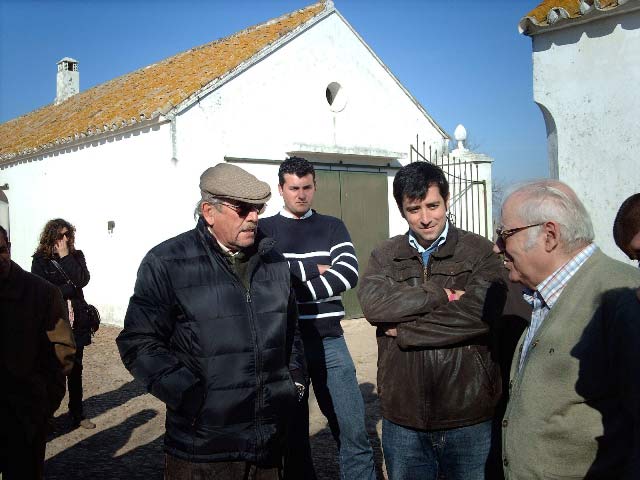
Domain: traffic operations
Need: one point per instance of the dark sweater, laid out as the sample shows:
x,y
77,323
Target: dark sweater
x,y
306,243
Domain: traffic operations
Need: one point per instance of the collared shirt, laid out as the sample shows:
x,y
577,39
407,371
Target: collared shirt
x,y
226,250
544,297
426,252
288,214
222,247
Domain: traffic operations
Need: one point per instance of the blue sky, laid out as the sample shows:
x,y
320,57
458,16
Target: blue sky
x,y
463,60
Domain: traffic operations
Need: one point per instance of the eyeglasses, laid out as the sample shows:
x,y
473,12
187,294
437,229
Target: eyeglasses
x,y
64,234
502,235
244,209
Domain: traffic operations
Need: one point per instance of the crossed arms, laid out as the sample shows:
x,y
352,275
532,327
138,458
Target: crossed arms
x,y
422,314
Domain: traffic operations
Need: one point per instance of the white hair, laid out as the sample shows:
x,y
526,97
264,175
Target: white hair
x,y
552,200
206,198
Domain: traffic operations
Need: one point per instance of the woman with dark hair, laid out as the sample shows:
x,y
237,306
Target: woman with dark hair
x,y
57,261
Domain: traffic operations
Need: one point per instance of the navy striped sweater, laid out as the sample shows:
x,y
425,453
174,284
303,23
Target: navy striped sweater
x,y
307,243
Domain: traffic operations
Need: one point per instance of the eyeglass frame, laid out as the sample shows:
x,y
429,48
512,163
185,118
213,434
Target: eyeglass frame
x,y
244,209
60,236
502,235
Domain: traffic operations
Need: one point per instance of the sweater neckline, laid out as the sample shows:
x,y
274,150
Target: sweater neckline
x,y
291,216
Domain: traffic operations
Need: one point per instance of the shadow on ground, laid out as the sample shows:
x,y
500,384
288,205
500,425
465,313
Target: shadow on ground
x,y
97,405
98,457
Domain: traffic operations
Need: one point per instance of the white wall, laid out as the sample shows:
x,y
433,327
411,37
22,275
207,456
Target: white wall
x,y
279,105
147,182
128,179
587,77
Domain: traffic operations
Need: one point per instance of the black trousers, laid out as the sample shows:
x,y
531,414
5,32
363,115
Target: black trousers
x,y
298,463
177,469
22,448
75,386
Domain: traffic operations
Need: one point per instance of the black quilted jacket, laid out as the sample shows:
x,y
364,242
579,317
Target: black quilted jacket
x,y
220,357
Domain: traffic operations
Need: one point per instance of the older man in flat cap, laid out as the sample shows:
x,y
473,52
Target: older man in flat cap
x,y
211,330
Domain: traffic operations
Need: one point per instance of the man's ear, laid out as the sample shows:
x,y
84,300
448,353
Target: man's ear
x,y
446,202
207,210
280,189
552,236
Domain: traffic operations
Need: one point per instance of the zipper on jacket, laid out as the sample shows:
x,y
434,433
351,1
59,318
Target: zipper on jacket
x,y
426,269
258,359
426,275
217,262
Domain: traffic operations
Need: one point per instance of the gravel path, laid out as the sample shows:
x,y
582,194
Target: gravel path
x,y
127,443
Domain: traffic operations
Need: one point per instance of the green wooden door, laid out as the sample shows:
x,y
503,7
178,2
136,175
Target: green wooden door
x,y
359,199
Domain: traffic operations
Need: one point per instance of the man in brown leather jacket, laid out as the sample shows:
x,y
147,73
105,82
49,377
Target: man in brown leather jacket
x,y
433,294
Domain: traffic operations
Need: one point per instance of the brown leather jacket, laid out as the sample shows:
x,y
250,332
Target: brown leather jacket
x,y
440,371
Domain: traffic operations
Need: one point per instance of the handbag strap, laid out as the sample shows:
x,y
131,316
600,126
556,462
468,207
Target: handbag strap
x,y
64,274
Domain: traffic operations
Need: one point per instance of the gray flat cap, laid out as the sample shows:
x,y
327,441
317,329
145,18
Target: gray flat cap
x,y
232,182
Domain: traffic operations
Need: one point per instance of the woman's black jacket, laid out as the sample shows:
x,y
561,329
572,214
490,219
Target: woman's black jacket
x,y
75,266
221,357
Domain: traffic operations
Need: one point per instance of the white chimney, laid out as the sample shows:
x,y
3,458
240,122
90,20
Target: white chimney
x,y
67,79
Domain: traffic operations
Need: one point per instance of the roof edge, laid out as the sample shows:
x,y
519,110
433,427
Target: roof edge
x,y
558,18
8,159
329,8
395,79
163,112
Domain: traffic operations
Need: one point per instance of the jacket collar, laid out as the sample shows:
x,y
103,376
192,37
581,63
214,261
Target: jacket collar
x,y
405,251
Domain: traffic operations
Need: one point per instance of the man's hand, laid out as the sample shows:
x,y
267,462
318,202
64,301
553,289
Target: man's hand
x,y
454,294
323,268
391,332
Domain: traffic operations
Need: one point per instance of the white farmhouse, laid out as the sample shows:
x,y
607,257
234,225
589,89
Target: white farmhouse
x,y
122,160
586,71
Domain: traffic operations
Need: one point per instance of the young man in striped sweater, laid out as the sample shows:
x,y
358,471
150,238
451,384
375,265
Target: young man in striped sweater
x,y
323,263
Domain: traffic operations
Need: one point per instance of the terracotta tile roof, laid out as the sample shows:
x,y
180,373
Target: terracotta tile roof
x,y
144,94
552,14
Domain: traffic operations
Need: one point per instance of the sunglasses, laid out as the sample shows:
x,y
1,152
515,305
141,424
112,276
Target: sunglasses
x,y
502,235
65,234
244,209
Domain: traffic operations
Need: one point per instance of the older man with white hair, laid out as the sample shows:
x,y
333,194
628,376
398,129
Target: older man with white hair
x,y
574,402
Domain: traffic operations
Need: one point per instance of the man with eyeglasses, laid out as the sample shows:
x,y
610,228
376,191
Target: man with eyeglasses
x,y
211,330
574,406
37,349
433,295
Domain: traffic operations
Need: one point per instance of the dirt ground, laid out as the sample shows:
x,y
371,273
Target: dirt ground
x,y
127,442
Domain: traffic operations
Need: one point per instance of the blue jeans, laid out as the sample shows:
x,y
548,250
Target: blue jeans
x,y
333,375
455,454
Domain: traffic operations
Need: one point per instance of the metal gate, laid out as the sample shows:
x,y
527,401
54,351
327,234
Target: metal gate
x,y
468,207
